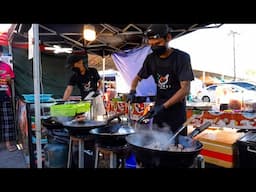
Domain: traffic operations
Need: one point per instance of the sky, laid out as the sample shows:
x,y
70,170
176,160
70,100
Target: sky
x,y
4,27
213,49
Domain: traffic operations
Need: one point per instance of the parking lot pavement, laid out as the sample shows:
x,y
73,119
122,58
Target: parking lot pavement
x,y
13,159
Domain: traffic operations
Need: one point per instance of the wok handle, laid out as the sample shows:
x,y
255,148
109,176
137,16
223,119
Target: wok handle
x,y
114,117
198,130
189,120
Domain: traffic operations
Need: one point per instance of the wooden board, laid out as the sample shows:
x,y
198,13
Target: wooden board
x,y
219,145
221,136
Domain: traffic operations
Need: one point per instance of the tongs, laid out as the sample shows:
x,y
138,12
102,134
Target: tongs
x,y
89,96
145,117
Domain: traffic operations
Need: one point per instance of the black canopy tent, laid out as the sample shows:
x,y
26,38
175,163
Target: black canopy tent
x,y
109,37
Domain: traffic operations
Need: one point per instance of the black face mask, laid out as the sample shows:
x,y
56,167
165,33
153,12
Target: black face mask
x,y
76,70
159,49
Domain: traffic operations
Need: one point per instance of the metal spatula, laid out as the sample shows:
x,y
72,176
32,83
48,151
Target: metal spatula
x,y
170,140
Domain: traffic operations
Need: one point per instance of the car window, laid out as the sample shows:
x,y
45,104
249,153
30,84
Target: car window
x,y
235,90
211,88
245,85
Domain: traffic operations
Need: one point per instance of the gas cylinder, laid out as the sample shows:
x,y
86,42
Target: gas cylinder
x,y
56,155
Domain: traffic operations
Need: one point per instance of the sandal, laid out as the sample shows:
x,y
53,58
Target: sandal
x,y
12,148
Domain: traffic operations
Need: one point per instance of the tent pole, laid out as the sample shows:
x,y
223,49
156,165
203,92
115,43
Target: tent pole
x,y
204,85
37,93
103,69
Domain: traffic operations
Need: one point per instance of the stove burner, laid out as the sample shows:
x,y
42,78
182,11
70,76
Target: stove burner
x,y
117,155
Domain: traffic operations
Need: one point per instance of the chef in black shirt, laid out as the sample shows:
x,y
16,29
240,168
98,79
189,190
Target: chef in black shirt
x,y
87,79
172,72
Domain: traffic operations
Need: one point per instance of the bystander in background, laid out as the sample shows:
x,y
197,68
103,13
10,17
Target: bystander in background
x,y
8,132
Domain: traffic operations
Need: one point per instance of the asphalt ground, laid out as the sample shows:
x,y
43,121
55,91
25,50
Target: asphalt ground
x,y
14,159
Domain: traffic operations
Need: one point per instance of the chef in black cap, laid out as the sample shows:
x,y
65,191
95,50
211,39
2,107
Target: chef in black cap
x,y
87,79
172,73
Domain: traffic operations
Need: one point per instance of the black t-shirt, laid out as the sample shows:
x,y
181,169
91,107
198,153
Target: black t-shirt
x,y
167,73
87,82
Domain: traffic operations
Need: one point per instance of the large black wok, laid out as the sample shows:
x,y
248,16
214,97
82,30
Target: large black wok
x,y
54,122
113,134
83,127
142,145
74,127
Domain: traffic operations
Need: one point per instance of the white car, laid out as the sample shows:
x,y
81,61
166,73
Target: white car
x,y
244,84
238,92
207,94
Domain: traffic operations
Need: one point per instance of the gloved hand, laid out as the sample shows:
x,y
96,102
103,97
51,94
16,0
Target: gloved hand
x,y
131,96
97,93
155,110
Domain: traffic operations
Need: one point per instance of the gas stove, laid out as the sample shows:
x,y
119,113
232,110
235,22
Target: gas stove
x,y
247,150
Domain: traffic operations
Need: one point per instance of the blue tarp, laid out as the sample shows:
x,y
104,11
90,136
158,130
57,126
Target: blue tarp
x,y
129,63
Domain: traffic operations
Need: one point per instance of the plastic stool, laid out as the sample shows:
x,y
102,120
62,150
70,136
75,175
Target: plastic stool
x,y
130,161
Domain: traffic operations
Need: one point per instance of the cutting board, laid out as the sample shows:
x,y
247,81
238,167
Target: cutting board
x,y
219,145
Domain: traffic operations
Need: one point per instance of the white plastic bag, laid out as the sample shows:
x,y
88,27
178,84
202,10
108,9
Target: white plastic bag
x,y
98,107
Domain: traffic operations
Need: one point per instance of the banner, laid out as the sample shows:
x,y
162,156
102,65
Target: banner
x,y
129,63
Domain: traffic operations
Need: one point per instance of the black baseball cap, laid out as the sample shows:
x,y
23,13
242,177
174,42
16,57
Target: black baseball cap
x,y
155,31
73,59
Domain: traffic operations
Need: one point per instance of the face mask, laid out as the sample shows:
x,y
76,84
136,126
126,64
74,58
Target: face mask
x,y
76,70
159,49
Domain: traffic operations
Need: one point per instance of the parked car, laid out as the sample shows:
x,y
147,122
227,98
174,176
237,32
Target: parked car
x,y
207,94
240,93
244,84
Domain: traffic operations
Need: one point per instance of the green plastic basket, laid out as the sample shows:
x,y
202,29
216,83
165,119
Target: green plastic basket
x,y
70,109
83,107
63,110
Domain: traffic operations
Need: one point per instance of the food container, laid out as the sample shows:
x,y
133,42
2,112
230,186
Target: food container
x,y
43,97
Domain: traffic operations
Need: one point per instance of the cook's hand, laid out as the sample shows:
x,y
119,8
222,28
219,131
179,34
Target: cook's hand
x,y
153,112
97,93
156,109
131,96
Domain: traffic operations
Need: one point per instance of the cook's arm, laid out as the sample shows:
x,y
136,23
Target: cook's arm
x,y
67,92
179,95
100,85
135,82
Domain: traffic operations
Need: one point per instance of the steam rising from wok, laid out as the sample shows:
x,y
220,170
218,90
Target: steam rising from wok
x,y
157,139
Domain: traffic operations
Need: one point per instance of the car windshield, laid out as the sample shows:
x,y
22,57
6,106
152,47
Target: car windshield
x,y
245,85
211,88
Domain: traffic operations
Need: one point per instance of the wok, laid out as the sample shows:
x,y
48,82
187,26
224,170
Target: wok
x,y
142,145
83,127
113,134
73,127
54,122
